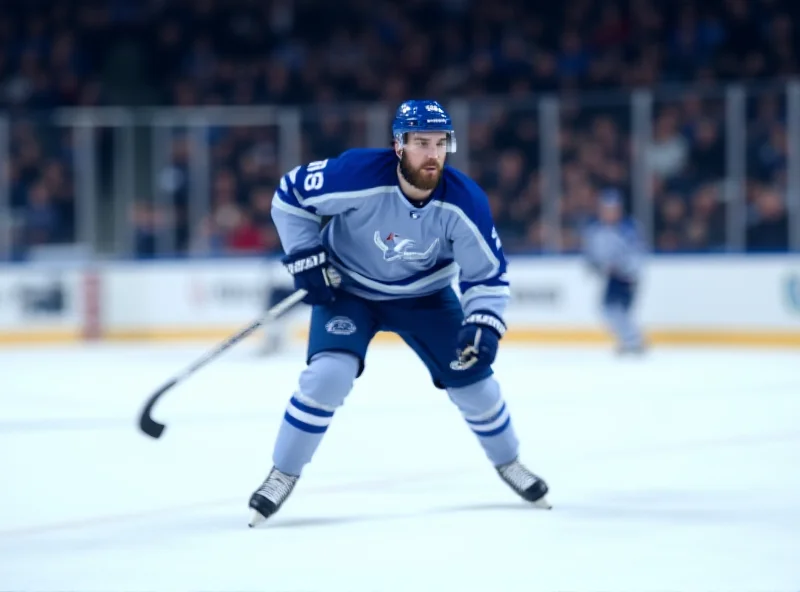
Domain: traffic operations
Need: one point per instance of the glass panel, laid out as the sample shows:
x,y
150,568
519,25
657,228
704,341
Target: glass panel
x,y
212,191
767,170
164,229
124,185
151,179
101,174
595,137
687,163
503,149
244,171
42,191
207,190
328,130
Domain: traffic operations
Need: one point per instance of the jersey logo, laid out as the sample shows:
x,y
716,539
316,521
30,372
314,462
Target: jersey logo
x,y
340,326
396,248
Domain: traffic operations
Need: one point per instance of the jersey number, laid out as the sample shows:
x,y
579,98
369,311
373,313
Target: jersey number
x,y
315,178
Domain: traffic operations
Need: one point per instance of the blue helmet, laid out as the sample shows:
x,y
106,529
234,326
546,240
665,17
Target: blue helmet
x,y
610,197
422,116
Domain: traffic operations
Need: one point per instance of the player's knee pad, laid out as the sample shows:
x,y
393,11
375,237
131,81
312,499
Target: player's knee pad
x,y
478,398
328,379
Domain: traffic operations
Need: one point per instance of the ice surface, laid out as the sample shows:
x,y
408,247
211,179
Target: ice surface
x,y
679,471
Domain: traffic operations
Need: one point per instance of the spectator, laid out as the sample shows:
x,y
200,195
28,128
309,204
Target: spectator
x,y
41,216
245,236
769,227
144,230
668,154
328,60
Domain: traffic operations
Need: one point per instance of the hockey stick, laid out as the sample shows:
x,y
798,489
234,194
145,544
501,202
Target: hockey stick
x,y
154,429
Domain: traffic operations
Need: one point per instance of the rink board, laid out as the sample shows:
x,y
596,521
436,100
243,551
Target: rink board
x,y
692,300
42,303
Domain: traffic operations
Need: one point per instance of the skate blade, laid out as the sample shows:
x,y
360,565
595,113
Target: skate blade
x,y
542,504
255,519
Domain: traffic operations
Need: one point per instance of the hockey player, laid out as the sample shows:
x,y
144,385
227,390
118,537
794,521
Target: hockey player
x,y
613,249
401,225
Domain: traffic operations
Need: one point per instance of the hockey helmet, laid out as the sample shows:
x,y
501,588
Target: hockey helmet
x,y
422,116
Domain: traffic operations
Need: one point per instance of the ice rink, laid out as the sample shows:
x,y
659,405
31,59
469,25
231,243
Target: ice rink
x,y
678,471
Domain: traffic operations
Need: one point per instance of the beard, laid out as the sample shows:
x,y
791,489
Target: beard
x,y
419,178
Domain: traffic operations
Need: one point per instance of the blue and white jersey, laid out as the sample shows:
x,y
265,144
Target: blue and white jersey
x,y
614,249
385,246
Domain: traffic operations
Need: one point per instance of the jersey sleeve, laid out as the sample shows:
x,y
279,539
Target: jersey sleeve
x,y
309,192
614,250
479,253
588,247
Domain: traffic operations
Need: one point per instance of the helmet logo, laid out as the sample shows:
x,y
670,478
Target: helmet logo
x,y
435,108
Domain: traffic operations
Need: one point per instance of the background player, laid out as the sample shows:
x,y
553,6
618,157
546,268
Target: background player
x,y
402,226
613,249
276,333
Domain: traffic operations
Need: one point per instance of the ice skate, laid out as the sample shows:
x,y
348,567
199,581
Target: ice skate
x,y
632,350
528,486
268,498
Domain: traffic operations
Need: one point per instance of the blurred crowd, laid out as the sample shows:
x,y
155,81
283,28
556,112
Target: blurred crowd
x,y
499,56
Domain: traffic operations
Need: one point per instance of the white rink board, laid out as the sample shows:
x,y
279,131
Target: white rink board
x,y
42,300
180,294
761,293
676,292
701,296
751,293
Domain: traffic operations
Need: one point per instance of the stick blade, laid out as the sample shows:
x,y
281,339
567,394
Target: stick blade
x,y
151,427
147,424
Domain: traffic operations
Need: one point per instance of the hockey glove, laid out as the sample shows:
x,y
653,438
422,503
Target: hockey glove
x,y
311,273
478,339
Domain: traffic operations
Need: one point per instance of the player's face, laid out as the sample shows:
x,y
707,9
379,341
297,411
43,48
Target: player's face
x,y
610,213
422,159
